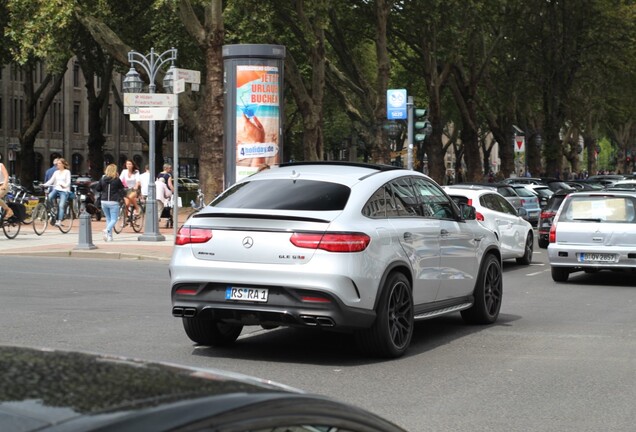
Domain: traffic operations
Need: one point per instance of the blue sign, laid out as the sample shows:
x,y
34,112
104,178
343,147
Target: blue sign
x,y
396,104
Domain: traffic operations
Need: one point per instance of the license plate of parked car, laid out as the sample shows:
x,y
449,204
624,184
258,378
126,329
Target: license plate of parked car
x,y
596,257
246,294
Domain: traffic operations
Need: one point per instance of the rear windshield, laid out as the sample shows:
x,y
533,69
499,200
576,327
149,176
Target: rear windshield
x,y
507,191
285,194
523,192
613,209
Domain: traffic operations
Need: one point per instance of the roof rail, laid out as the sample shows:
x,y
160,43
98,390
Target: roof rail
x,y
344,163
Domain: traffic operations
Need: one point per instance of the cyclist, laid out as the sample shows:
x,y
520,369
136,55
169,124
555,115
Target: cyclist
x,y
4,188
61,182
130,179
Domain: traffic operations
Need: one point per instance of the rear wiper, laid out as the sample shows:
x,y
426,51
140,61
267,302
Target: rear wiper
x,y
588,219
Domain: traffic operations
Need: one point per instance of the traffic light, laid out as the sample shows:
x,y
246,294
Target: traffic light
x,y
422,125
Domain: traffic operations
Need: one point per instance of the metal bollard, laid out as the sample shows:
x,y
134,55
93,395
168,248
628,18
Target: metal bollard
x,y
85,232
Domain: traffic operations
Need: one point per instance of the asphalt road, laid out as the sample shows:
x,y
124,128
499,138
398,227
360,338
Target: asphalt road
x,y
562,357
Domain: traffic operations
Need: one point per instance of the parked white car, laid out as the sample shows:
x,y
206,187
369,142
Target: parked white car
x,y
495,213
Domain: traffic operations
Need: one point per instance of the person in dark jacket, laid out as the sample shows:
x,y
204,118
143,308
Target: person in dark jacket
x,y
111,191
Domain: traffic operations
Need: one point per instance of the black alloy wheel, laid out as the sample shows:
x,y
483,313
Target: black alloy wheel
x,y
488,293
391,333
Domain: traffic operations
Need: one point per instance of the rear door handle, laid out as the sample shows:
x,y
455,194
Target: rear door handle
x,y
444,233
408,236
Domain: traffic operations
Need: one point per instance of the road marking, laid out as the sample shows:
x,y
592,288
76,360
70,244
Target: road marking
x,y
536,273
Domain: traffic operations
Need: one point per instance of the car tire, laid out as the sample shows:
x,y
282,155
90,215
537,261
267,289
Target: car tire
x,y
391,332
526,259
211,332
543,244
560,274
488,293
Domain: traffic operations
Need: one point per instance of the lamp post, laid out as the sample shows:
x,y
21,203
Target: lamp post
x,y
151,63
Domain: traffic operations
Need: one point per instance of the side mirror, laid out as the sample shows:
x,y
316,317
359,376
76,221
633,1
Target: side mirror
x,y
522,212
468,212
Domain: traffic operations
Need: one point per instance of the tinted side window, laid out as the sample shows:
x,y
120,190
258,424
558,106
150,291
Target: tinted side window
x,y
406,202
285,194
435,203
381,204
505,206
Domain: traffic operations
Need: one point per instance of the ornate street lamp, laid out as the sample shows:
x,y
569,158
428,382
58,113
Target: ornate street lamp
x,y
152,64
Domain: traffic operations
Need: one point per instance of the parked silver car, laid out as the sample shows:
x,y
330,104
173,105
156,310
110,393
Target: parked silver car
x,y
593,231
337,246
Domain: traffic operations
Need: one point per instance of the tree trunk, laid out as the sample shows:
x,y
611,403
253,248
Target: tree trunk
x,y
36,104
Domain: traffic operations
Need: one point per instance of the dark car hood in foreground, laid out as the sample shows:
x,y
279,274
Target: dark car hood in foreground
x,y
75,391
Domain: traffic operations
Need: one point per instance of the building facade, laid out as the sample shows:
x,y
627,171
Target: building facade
x,y
65,128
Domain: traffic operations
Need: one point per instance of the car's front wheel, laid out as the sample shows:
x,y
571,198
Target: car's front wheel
x,y
390,335
488,293
211,332
560,274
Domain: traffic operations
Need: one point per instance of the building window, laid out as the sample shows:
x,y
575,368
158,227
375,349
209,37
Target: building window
x,y
76,74
76,117
16,114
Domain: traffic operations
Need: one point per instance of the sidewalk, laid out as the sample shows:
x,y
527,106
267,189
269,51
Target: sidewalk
x,y
125,245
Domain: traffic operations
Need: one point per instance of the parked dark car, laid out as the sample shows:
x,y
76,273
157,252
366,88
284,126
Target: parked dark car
x,y
48,390
547,216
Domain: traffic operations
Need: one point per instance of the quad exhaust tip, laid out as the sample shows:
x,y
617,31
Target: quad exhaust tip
x,y
184,312
317,321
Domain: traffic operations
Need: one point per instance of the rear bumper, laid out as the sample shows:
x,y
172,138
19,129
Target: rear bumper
x,y
568,256
285,307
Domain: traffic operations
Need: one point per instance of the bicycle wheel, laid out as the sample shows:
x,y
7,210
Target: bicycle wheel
x,y
76,206
11,228
137,221
121,219
67,222
40,218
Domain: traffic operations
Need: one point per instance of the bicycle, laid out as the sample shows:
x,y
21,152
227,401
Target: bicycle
x,y
45,212
127,216
10,226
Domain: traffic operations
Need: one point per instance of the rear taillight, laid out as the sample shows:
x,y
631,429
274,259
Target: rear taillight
x,y
333,242
552,236
479,216
547,214
188,235
470,201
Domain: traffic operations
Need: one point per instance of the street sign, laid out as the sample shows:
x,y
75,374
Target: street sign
x,y
190,76
520,144
154,113
396,104
150,99
179,86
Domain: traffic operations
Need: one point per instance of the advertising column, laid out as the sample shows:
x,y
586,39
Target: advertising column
x,y
253,79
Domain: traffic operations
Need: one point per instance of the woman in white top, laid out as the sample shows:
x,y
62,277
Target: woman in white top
x,y
130,178
61,182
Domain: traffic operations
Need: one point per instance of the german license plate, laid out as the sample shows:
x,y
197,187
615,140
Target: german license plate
x,y
246,294
596,257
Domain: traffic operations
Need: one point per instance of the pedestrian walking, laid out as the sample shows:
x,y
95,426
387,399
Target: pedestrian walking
x,y
111,191
163,195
